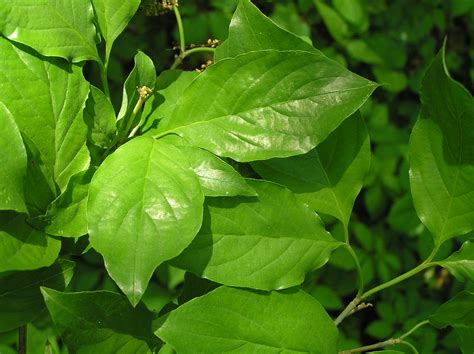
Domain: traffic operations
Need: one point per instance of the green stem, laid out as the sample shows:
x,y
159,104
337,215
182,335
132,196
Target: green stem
x,y
378,345
358,269
421,324
22,339
179,59
409,345
182,41
103,78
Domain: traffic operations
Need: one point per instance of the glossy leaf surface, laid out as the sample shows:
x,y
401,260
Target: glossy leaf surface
x,y
144,207
22,247
250,30
20,297
13,164
100,322
60,28
113,16
243,321
46,99
329,177
266,242
442,155
461,263
457,312
281,104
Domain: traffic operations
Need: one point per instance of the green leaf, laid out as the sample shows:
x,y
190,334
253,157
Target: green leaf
x,y
100,322
354,12
243,321
329,177
22,247
144,207
113,16
20,297
457,312
100,118
217,178
66,215
335,23
265,243
169,87
60,28
392,80
442,155
13,164
250,30
46,99
461,263
466,339
143,74
297,101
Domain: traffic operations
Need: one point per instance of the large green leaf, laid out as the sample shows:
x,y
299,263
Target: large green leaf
x,y
66,215
266,243
329,177
20,297
243,321
13,164
251,30
266,104
144,207
442,155
46,99
61,28
461,263
113,16
457,312
22,247
100,322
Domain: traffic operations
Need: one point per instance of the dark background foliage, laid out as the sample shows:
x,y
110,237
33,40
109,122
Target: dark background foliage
x,y
389,41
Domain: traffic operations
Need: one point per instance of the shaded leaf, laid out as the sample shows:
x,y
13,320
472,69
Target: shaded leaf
x,y
100,322
442,155
20,297
60,28
46,99
144,207
243,321
22,247
281,104
335,23
461,263
266,243
13,164
457,312
251,30
329,177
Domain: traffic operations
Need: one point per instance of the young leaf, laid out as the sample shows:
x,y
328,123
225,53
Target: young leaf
x,y
13,164
20,297
442,155
46,99
144,207
329,177
265,243
251,30
461,263
143,74
236,320
22,247
169,87
457,312
113,16
66,215
61,28
334,22
281,104
100,322
100,117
